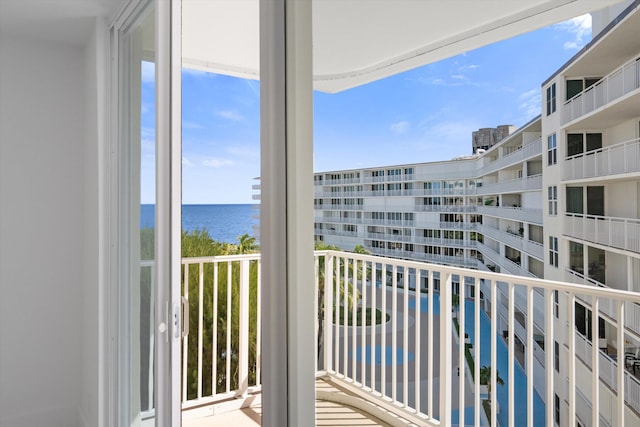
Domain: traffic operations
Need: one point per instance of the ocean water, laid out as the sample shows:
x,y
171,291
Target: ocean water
x,y
223,222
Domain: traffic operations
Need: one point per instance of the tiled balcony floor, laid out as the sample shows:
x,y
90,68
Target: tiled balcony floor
x,y
328,413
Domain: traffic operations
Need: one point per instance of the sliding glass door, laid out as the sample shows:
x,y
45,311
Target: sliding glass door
x,y
146,315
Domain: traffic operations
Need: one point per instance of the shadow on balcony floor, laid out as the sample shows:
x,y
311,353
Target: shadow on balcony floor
x,y
332,411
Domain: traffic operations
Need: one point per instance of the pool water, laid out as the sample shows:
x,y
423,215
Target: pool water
x,y
388,354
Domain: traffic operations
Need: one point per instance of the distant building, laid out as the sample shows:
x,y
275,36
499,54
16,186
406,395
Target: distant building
x,y
485,138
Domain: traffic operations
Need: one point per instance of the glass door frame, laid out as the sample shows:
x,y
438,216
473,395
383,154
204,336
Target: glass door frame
x,y
166,281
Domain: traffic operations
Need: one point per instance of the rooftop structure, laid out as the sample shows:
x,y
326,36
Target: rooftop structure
x,y
485,138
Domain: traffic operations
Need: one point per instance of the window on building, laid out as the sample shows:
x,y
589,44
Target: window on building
x,y
576,257
595,200
551,99
556,356
576,143
552,156
553,251
553,200
556,409
556,304
575,200
408,171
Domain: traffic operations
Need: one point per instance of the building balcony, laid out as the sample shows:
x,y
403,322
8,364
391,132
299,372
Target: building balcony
x,y
617,87
526,152
610,162
445,208
411,368
530,183
631,312
619,233
507,266
514,240
533,216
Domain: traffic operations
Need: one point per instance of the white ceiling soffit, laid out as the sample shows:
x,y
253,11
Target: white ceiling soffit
x,y
359,41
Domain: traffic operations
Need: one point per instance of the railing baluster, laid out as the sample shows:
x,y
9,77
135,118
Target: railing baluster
x,y
394,327
328,312
228,353
354,322
494,353
620,406
595,362
383,335
259,325
476,354
430,348
214,346
185,340
417,352
445,349
529,357
405,340
572,357
512,355
363,328
549,362
461,349
243,347
200,325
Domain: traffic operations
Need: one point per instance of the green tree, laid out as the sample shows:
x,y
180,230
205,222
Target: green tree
x,y
246,244
485,378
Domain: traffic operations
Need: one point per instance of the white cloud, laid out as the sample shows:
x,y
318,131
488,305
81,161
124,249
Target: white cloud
x,y
579,28
400,128
458,77
187,162
231,115
217,163
529,104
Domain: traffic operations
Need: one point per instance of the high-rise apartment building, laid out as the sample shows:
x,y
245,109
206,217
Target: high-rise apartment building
x,y
558,199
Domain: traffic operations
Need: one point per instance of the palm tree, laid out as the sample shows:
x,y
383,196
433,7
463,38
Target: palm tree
x,y
246,244
485,378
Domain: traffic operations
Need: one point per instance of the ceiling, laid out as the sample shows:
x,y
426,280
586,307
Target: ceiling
x,y
354,41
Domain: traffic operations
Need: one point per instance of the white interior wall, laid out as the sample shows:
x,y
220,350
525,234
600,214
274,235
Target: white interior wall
x,y
42,249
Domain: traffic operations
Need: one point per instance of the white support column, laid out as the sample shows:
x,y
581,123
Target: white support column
x,y
287,212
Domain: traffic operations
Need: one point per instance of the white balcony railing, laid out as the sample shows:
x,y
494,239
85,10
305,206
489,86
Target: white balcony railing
x,y
533,216
620,233
529,183
614,160
631,310
620,82
608,370
406,362
531,149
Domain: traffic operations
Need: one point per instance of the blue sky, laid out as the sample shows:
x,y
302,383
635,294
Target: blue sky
x,y
426,114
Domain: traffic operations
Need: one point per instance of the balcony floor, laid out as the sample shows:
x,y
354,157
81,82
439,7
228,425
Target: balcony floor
x,y
328,413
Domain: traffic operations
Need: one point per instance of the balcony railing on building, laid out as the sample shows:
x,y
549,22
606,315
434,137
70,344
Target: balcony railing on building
x,y
615,85
410,360
620,233
621,158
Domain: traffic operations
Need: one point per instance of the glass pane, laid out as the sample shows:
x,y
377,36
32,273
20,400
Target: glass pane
x,y
137,214
220,189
